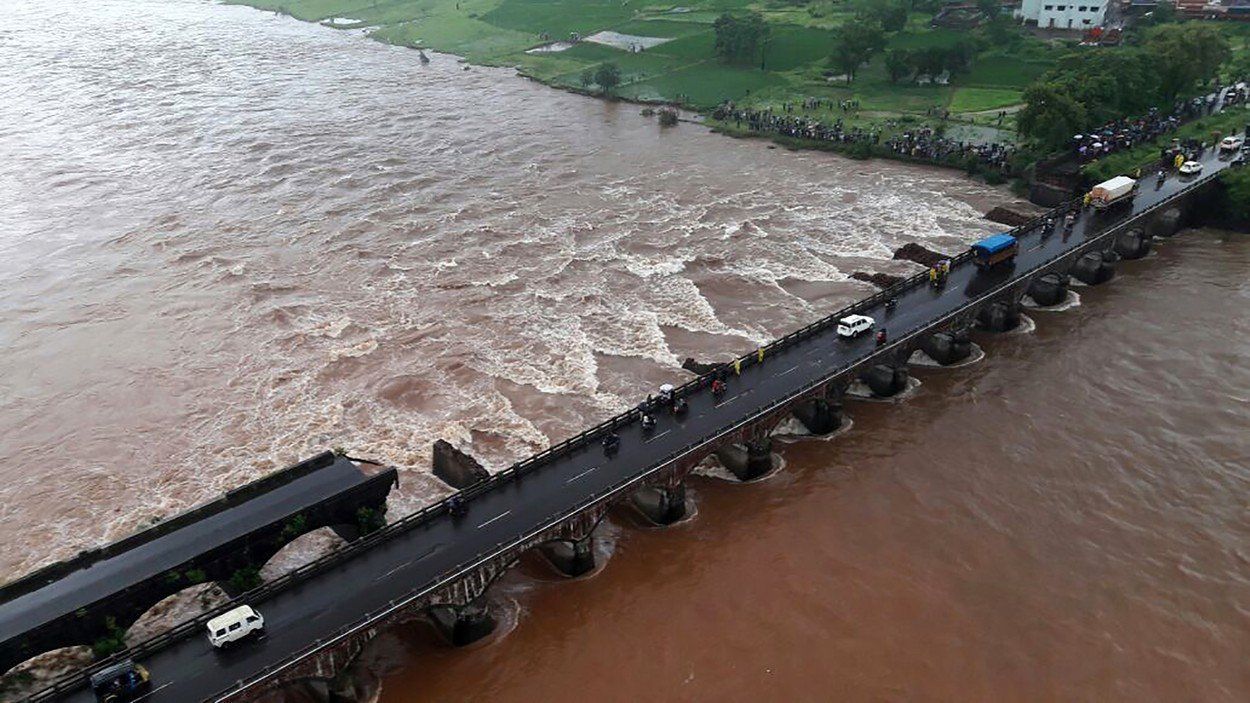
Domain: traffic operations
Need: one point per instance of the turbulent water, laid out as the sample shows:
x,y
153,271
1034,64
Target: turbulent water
x,y
229,240
1064,520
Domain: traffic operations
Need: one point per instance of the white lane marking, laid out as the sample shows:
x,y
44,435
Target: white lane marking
x,y
783,373
493,519
388,574
657,436
573,479
729,400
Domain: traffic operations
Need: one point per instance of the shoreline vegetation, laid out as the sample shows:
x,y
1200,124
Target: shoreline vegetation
x,y
892,69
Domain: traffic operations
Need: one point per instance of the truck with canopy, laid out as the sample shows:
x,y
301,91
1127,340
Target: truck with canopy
x,y
992,251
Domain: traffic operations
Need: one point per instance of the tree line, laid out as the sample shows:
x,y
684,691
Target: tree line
x,y
1087,89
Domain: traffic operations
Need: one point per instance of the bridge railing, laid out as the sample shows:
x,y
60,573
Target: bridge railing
x,y
77,679
626,484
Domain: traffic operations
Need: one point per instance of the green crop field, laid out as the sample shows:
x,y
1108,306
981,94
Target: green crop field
x,y
794,63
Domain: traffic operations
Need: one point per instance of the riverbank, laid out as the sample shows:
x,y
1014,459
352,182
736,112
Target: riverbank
x,y
666,54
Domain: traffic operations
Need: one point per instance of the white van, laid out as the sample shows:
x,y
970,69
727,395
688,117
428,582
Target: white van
x,y
233,625
854,325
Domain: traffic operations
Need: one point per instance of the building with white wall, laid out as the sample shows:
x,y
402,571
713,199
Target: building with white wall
x,y
1064,14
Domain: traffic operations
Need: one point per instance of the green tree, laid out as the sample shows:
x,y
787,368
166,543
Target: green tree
x,y
1236,195
898,64
1163,13
588,78
738,39
1184,54
890,14
1050,115
1109,83
930,61
607,77
854,44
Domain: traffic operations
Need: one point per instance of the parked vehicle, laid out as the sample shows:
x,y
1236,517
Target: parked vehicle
x,y
234,625
1232,143
1190,168
1112,192
122,682
852,326
995,250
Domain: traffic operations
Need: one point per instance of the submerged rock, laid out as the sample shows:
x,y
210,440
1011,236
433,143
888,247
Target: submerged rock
x,y
919,254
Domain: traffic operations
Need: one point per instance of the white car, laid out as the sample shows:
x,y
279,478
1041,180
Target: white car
x,y
1231,143
1189,168
234,625
854,325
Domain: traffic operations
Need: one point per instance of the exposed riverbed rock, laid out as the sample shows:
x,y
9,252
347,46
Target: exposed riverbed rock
x,y
1006,216
918,254
456,468
880,280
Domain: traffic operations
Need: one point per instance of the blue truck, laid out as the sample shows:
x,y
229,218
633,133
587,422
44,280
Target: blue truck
x,y
995,250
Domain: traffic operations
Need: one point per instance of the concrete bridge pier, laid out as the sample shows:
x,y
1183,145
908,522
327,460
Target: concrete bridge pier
x,y
946,348
748,460
463,624
1166,224
821,416
1132,244
1049,289
886,380
999,316
662,505
571,558
1094,267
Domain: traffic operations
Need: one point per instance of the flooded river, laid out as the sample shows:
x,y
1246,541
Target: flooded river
x,y
229,240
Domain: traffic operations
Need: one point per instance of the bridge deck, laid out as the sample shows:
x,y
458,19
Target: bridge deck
x,y
97,578
317,608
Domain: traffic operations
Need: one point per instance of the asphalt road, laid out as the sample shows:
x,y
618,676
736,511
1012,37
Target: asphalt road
x,y
83,587
414,560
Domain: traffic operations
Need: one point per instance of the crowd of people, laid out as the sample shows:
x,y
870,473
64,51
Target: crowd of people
x,y
1123,134
929,144
924,144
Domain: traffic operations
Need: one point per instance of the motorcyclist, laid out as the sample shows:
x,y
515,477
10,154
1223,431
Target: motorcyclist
x,y
881,336
456,506
680,406
891,304
611,443
648,422
718,388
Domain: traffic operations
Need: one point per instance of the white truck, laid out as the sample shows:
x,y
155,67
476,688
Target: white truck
x,y
1112,192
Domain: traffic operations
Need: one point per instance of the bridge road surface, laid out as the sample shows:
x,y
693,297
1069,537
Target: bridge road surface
x,y
84,586
191,670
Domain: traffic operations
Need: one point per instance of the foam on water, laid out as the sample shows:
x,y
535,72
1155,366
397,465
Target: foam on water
x,y
221,278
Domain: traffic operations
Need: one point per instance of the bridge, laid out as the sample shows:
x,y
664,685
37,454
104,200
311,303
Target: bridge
x,y
440,565
101,592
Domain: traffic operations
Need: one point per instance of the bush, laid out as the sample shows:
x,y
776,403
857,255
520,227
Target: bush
x,y
369,520
668,117
245,579
114,641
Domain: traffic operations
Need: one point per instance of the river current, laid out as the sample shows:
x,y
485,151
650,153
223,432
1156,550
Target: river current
x,y
229,240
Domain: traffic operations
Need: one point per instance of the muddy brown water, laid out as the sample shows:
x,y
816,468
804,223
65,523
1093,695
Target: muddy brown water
x,y
229,239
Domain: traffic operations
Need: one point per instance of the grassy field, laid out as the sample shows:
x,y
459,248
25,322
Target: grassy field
x,y
794,65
